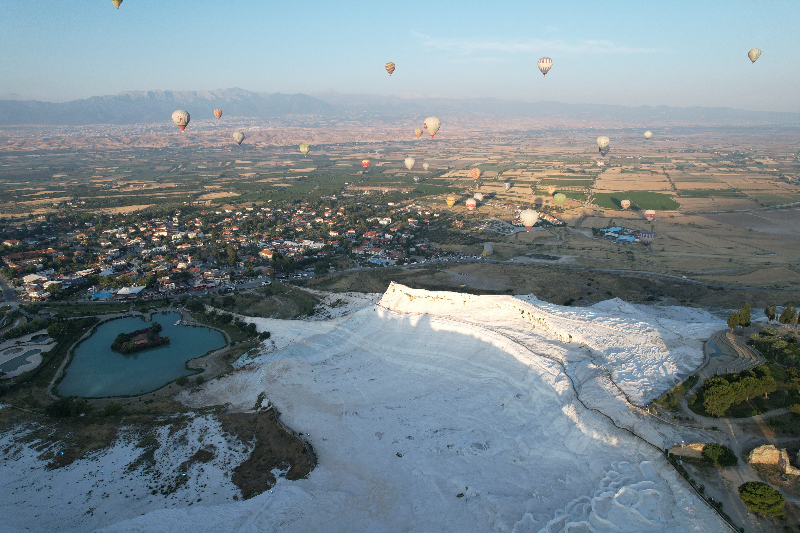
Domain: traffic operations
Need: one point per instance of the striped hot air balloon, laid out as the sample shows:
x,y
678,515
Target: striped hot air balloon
x,y
545,64
475,173
390,67
218,113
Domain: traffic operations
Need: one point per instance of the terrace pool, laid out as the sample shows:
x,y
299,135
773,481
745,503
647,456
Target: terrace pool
x,y
97,371
13,364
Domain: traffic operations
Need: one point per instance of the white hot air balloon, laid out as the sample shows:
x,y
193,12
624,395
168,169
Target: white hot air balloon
x,y
180,118
431,125
471,204
545,64
238,137
409,162
625,203
478,196
506,186
425,166
529,218
650,215
648,134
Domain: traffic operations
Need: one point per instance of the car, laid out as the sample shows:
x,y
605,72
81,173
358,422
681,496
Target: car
x,y
267,282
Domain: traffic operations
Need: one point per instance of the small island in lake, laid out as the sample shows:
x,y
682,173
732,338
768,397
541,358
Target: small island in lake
x,y
139,340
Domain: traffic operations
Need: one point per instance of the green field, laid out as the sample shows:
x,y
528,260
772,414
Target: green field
x,y
639,200
707,193
566,183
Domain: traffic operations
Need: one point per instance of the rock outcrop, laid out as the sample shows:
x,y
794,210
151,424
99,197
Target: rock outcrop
x,y
768,454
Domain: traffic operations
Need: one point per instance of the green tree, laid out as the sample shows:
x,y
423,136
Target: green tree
x,y
733,320
769,312
719,454
788,315
744,315
762,498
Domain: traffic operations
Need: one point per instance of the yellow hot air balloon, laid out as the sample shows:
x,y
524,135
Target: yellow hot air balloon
x,y
431,124
545,64
390,67
218,113
754,54
180,118
116,3
451,201
560,198
238,137
304,149
418,133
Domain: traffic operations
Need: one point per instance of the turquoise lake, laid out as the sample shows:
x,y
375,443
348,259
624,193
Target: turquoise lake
x,y
97,371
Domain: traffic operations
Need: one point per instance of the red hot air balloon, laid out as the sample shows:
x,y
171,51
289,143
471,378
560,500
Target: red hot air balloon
x,y
365,163
650,215
476,173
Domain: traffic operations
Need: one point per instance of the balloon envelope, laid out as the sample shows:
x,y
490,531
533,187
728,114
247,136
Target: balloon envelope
x,y
754,54
478,196
646,237
116,3
425,166
560,198
506,185
365,163
648,134
528,218
218,113
238,137
451,201
304,149
551,190
475,173
625,204
409,162
418,132
180,118
602,141
432,125
649,214
471,203
390,67
545,64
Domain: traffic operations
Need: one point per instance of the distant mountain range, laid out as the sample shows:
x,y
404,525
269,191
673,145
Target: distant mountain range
x,y
136,107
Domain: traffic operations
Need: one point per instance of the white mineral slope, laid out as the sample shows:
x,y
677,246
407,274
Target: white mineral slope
x,y
109,486
427,423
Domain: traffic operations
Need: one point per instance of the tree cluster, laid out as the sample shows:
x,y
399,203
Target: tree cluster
x,y
719,394
762,498
126,342
719,454
740,318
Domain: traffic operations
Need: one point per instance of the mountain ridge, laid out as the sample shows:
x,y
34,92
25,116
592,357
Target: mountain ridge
x,y
136,107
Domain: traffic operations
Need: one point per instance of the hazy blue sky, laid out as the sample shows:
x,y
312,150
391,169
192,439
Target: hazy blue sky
x,y
678,53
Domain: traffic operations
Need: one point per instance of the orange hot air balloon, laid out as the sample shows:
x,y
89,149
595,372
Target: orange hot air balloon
x,y
476,173
418,133
218,113
390,67
365,163
551,190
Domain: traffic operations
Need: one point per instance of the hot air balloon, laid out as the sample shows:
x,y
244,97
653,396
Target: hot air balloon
x,y
425,166
551,190
416,179
432,125
602,143
648,134
649,214
238,136
625,203
545,64
646,237
180,118
218,113
116,3
478,196
754,54
409,162
475,173
451,201
418,132
560,198
528,218
365,163
304,149
506,186
600,162
390,67
471,204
